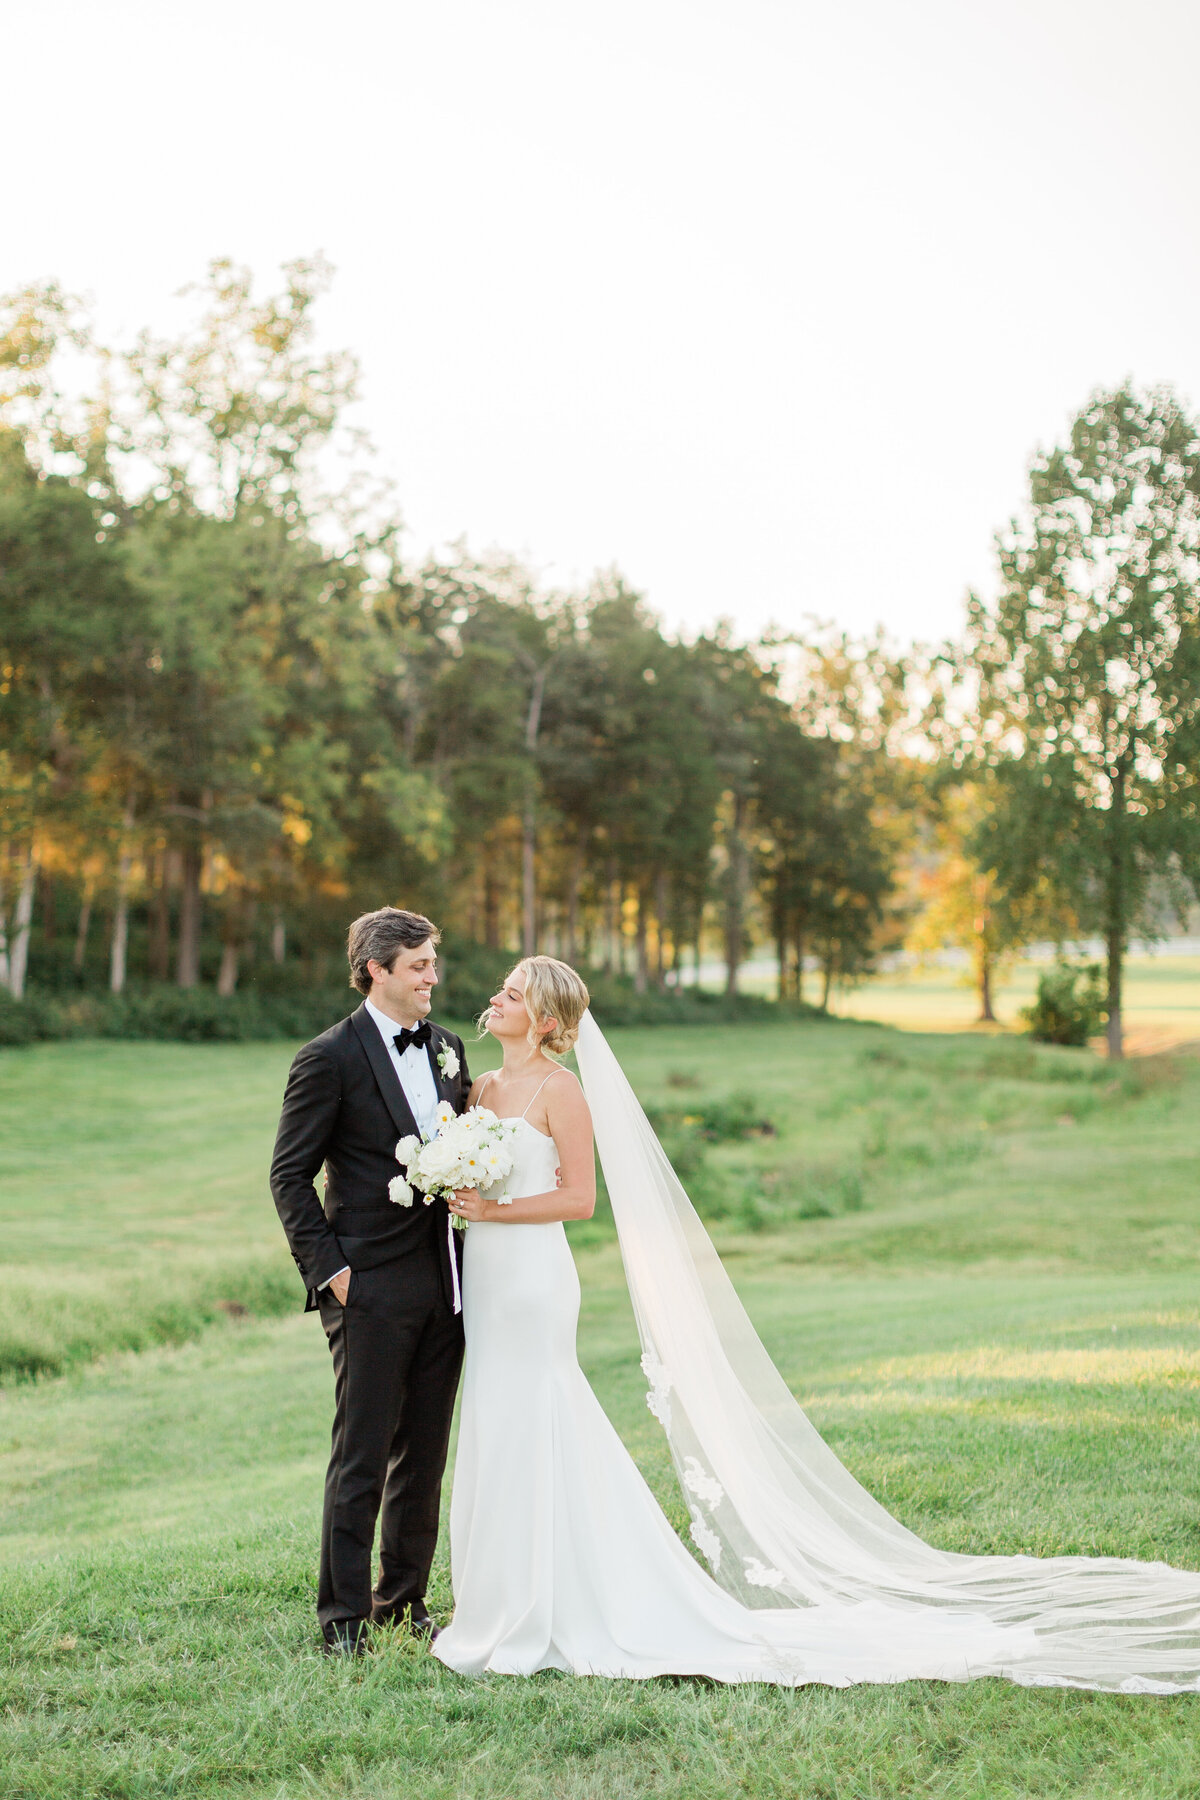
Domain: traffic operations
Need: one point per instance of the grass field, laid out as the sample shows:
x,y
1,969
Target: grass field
x,y
975,1263
1162,999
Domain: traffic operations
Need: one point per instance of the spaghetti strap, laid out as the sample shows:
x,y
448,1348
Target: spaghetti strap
x,y
483,1081
533,1096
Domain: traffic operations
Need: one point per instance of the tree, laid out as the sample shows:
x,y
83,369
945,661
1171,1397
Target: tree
x,y
964,902
230,414
1088,667
74,636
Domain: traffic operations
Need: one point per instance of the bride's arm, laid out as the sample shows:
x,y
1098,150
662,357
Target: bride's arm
x,y
571,1128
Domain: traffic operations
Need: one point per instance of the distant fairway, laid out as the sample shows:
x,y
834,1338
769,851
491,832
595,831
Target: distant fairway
x,y
1162,999
993,1314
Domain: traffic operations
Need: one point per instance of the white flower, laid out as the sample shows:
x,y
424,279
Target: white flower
x,y
439,1162
448,1061
399,1192
758,1575
407,1148
503,1199
445,1115
707,1541
705,1487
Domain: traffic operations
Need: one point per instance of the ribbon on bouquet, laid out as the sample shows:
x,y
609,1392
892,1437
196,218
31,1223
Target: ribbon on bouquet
x,y
453,1263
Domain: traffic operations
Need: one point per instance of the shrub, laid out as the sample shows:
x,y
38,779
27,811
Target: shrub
x,y
1066,1012
285,1000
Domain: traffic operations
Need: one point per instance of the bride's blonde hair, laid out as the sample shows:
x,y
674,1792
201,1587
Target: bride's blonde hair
x,y
553,990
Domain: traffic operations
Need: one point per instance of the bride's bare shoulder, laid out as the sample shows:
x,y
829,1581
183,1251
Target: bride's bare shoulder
x,y
563,1097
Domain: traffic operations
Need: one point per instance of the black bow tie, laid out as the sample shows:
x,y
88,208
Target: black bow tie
x,y
420,1035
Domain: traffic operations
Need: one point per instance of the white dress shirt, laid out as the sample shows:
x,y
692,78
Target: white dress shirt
x,y
415,1077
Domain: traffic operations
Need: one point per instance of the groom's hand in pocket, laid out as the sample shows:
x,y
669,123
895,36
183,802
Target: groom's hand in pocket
x,y
339,1287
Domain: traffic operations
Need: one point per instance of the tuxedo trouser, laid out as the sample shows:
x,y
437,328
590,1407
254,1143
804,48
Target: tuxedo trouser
x,y
397,1352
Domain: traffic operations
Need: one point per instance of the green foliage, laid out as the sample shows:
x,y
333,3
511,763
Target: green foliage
x,y
1069,1008
181,1015
1089,670
237,717
286,1006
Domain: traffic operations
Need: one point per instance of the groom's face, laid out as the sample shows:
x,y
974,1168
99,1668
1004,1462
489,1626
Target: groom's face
x,y
405,991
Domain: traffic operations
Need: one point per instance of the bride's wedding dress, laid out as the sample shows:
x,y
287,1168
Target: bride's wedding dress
x,y
562,1558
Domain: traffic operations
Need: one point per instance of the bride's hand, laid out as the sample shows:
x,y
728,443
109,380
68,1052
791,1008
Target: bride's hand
x,y
468,1203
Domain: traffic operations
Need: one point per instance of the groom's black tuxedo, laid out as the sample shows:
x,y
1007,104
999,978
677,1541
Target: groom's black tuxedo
x,y
345,1108
397,1342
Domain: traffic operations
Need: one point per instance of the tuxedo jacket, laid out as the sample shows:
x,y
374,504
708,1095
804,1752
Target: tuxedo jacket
x,y
344,1108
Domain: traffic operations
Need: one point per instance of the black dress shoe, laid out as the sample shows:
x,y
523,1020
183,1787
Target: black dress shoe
x,y
416,1617
346,1637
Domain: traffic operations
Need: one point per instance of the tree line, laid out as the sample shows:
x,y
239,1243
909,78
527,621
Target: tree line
x,y
233,713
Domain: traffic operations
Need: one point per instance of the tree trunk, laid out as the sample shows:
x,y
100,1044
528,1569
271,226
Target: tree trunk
x,y
641,968
120,944
120,934
981,925
827,989
1113,1030
278,937
612,965
228,972
529,819
799,948
187,962
491,900
735,893
783,984
46,887
1115,923
79,954
160,920
574,883
22,921
660,930
529,876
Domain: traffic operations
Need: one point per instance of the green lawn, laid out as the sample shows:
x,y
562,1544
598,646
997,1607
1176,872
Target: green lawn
x,y
976,1265
1162,999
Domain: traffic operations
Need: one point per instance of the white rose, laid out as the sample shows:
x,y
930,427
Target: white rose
x,y
399,1192
407,1148
450,1063
439,1164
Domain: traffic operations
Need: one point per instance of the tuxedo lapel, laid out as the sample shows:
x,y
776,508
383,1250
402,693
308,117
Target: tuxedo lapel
x,y
383,1069
446,1089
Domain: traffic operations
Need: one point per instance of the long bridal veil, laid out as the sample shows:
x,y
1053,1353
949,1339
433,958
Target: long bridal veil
x,y
780,1521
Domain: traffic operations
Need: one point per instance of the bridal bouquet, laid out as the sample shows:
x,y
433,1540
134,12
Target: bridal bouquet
x,y
468,1150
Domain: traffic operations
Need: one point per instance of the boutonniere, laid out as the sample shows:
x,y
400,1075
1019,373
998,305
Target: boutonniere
x,y
447,1061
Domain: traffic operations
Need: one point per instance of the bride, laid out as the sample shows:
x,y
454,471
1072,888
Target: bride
x,y
561,1557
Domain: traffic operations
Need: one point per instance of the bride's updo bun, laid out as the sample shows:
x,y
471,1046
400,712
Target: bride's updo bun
x,y
553,990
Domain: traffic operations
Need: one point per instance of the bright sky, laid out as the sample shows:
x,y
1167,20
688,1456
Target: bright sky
x,y
766,301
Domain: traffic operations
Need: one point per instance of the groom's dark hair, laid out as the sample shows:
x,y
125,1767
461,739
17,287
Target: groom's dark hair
x,y
380,937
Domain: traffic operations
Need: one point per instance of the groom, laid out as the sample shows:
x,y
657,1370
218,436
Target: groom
x,y
384,1278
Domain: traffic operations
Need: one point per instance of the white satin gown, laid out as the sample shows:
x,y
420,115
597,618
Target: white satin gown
x,y
561,1557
